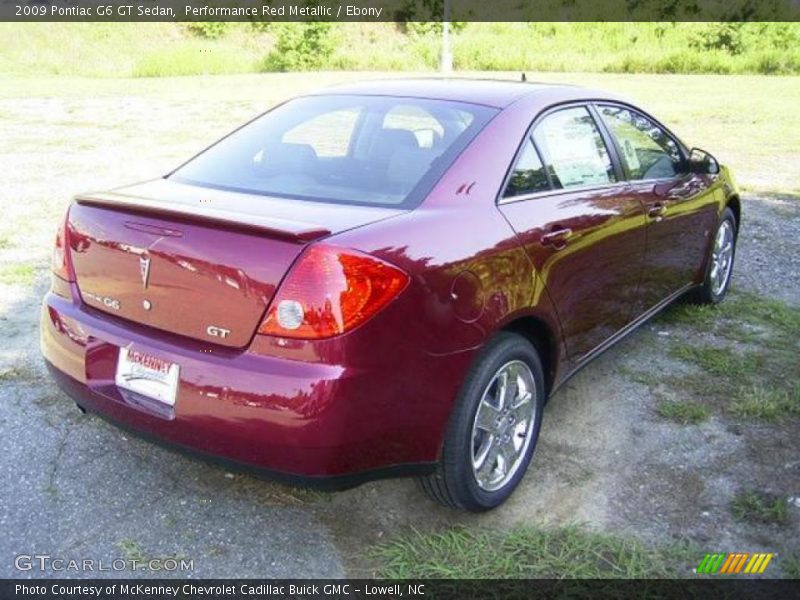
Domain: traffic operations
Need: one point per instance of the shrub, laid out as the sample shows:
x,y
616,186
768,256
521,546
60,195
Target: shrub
x,y
720,36
424,17
301,46
424,28
211,30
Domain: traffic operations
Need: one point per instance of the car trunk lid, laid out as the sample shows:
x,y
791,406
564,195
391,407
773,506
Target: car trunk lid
x,y
194,261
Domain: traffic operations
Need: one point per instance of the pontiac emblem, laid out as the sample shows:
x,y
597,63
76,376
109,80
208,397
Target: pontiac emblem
x,y
144,270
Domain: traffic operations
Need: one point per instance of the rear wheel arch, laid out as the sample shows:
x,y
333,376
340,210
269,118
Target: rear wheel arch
x,y
543,338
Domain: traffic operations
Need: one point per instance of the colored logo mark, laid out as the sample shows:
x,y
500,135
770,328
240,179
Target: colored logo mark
x,y
734,563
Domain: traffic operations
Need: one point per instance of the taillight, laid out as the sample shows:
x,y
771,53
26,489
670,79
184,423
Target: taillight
x,y
62,264
330,291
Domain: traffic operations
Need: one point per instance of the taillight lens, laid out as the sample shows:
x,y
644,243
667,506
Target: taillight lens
x,y
330,291
62,264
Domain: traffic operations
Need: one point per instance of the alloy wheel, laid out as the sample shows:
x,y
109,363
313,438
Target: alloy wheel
x,y
504,420
722,258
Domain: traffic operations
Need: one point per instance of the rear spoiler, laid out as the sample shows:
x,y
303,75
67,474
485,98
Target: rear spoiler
x,y
297,231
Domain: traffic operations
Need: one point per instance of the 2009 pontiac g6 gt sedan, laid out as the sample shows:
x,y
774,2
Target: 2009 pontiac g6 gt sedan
x,y
382,279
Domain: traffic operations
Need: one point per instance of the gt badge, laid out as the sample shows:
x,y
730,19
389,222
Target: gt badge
x,y
219,332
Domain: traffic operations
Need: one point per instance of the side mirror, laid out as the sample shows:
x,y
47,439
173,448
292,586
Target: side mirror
x,y
702,163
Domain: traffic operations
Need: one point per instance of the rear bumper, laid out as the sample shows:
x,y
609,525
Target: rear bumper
x,y
87,400
313,422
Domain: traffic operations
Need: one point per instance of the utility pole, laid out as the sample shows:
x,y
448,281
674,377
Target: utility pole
x,y
446,64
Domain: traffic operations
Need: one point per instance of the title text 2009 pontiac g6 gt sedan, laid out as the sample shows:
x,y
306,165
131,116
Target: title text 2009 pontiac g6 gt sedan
x,y
387,278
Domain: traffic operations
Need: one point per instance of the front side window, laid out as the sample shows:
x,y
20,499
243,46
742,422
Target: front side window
x,y
528,175
372,150
647,151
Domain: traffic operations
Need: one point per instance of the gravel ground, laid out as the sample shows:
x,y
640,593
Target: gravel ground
x,y
77,487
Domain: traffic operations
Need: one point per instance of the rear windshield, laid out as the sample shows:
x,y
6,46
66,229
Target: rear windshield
x,y
370,150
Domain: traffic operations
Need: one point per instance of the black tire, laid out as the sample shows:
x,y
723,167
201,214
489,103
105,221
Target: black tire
x,y
454,483
706,293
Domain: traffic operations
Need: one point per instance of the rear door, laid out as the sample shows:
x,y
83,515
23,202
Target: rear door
x,y
678,204
579,223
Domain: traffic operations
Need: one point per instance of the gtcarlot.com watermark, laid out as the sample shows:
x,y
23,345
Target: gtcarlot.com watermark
x,y
46,562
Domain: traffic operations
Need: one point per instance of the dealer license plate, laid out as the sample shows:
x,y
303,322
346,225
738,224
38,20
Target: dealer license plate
x,y
147,375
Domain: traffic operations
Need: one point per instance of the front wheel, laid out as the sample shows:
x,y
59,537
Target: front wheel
x,y
720,262
494,428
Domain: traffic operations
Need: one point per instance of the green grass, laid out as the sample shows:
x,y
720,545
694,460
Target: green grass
x,y
742,307
19,372
766,403
156,49
123,50
17,274
193,58
751,367
791,566
751,506
626,48
721,362
527,552
131,550
12,374
683,412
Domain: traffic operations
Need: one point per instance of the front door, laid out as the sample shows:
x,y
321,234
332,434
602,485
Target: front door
x,y
679,205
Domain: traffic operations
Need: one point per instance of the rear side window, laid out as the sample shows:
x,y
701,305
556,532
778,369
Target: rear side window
x,y
647,151
528,175
370,150
573,149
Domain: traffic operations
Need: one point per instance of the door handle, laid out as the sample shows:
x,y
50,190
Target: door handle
x,y
656,211
556,238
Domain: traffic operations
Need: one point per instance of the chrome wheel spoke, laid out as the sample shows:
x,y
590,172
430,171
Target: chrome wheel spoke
x,y
485,470
523,396
508,450
482,453
487,417
506,390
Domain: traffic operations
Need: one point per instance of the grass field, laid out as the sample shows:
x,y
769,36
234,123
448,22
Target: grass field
x,y
164,49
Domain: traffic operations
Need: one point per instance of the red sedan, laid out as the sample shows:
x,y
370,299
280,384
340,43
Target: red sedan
x,y
384,279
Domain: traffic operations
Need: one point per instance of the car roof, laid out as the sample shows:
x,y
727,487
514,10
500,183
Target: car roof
x,y
497,93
